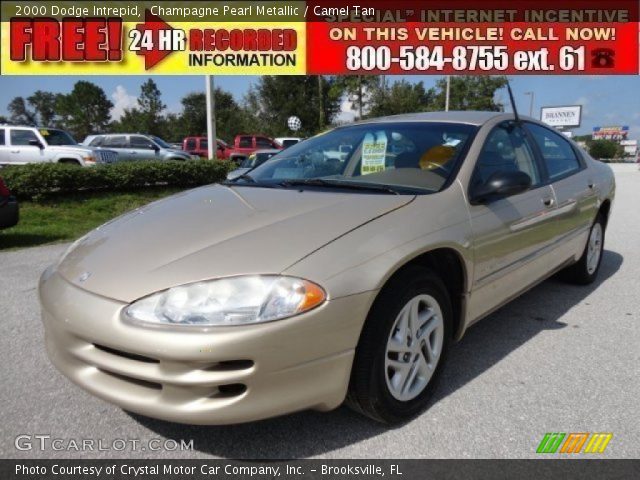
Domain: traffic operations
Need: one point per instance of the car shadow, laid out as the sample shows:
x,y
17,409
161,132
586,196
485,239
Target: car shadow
x,y
307,434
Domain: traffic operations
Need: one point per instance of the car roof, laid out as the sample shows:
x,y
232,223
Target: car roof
x,y
468,117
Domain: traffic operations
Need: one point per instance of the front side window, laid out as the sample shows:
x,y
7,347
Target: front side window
x,y
245,142
191,144
57,137
420,156
97,141
138,141
22,137
559,158
262,142
2,141
506,149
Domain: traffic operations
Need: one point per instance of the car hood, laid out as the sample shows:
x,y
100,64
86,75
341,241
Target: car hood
x,y
214,231
70,148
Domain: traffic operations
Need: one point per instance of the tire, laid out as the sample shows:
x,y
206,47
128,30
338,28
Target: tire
x,y
585,270
375,372
70,161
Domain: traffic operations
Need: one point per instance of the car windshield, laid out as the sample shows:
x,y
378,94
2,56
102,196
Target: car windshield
x,y
160,142
57,137
415,156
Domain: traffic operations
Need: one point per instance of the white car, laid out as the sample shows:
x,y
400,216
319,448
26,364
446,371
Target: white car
x,y
20,145
286,142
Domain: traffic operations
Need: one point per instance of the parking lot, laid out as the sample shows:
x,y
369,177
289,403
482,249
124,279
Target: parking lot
x,y
561,358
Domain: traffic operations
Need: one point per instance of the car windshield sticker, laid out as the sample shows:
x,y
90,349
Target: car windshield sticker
x,y
44,133
374,152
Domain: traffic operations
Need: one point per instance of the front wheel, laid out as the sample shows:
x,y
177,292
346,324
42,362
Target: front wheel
x,y
402,348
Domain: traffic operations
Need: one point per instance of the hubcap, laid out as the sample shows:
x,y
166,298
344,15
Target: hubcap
x,y
594,249
414,347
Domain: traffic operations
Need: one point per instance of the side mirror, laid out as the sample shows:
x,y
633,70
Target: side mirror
x,y
155,147
36,143
501,184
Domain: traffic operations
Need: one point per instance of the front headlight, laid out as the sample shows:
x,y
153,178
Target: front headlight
x,y
227,301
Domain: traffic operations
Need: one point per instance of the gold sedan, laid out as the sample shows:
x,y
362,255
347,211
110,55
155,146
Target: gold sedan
x,y
342,268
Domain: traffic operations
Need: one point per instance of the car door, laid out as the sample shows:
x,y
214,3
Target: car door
x,y
510,234
22,151
141,148
573,184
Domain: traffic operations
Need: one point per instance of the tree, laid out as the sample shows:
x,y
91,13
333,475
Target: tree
x,y
44,104
358,89
20,114
470,92
85,110
276,98
401,97
603,149
231,118
150,106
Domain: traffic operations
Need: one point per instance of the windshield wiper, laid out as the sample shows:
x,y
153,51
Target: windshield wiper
x,y
321,182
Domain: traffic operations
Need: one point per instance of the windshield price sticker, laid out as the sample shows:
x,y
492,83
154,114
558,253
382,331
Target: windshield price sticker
x,y
374,153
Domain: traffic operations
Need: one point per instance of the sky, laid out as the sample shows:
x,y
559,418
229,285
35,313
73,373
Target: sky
x,y
606,100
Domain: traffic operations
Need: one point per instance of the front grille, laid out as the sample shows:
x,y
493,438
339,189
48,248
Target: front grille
x,y
107,156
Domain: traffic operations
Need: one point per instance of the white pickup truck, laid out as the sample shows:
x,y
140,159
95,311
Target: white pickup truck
x,y
21,145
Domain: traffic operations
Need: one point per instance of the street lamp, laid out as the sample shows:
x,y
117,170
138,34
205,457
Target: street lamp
x,y
531,104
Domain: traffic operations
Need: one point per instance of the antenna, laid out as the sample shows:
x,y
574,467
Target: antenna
x,y
513,103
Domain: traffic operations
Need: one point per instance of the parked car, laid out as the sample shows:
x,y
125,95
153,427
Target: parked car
x,y
136,146
200,146
312,279
20,145
287,142
256,159
244,145
9,211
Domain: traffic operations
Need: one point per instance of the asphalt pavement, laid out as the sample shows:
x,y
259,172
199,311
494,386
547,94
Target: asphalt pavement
x,y
560,358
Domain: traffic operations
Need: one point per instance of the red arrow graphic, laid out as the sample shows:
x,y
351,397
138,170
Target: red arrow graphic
x,y
154,24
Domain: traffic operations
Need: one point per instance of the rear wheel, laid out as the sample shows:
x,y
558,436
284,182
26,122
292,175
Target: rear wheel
x,y
586,269
402,348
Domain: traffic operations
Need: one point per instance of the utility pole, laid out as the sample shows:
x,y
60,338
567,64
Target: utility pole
x,y
211,118
531,103
446,96
320,103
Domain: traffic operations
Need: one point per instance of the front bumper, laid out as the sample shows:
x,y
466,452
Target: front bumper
x,y
221,376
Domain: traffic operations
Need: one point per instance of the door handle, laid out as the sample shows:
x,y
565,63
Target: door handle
x,y
15,151
548,202
591,185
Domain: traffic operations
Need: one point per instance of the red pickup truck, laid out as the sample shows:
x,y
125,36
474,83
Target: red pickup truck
x,y
243,146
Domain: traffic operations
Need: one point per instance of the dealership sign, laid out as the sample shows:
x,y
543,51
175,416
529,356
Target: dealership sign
x,y
568,116
610,133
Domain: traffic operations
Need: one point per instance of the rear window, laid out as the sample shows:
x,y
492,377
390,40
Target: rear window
x,y
558,155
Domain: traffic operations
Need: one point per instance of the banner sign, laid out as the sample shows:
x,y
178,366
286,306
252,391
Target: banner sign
x,y
610,133
319,37
568,116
